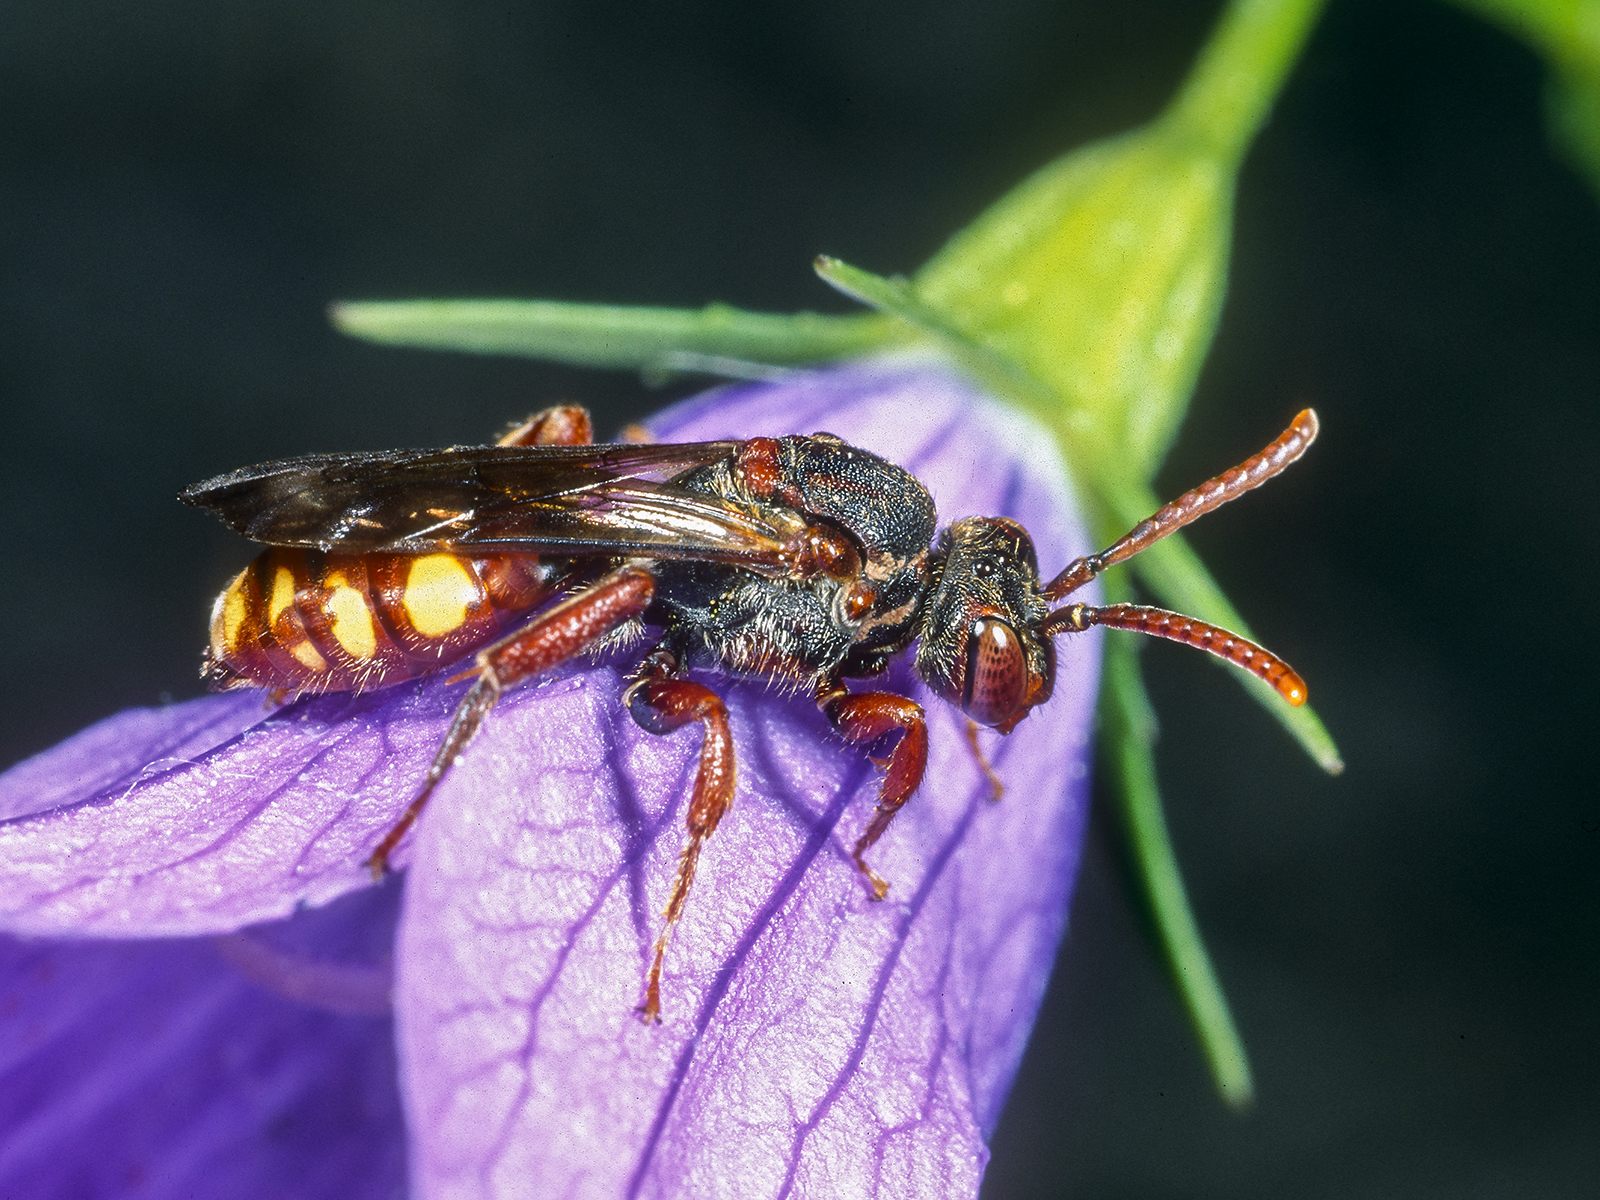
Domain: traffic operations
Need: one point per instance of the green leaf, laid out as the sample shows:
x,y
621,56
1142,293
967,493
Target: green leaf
x,y
1574,115
613,335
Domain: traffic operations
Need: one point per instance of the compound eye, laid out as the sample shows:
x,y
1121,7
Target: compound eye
x,y
997,672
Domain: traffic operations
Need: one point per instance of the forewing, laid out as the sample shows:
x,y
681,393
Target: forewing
x,y
609,499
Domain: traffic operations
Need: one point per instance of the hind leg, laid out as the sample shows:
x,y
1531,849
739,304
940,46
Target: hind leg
x,y
660,702
548,640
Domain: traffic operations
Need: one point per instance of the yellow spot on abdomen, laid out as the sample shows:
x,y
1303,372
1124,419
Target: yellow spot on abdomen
x,y
227,618
349,618
282,594
307,655
438,593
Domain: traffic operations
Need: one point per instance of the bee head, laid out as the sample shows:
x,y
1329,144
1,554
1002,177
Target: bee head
x,y
979,646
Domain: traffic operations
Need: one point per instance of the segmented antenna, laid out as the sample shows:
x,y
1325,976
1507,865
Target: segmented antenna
x,y
1196,502
1175,627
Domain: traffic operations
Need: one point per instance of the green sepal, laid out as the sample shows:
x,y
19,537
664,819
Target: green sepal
x,y
1128,732
1102,276
615,335
894,298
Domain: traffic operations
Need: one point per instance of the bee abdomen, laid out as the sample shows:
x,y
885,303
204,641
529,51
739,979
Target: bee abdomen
x,y
306,621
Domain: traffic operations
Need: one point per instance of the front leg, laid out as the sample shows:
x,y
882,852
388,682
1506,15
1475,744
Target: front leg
x,y
865,718
661,702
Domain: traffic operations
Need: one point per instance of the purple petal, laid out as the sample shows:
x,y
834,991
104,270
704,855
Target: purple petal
x,y
279,815
111,757
815,1043
153,1069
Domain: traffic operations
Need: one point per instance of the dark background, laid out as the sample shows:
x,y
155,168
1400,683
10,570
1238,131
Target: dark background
x,y
1411,949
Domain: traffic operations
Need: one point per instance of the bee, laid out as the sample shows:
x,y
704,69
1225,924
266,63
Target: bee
x,y
799,560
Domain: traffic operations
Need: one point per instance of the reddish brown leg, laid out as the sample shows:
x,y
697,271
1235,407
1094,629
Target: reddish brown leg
x,y
552,637
997,789
563,425
661,703
1196,502
865,718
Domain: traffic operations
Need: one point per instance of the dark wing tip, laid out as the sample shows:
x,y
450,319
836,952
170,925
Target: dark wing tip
x,y
207,492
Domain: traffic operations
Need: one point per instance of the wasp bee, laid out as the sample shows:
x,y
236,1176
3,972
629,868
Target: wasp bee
x,y
801,560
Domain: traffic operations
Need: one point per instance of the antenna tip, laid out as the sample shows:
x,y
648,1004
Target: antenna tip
x,y
1293,689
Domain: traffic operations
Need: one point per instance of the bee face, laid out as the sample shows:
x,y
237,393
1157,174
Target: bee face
x,y
979,648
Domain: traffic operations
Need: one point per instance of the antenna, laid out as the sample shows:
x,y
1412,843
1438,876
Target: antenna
x,y
1175,627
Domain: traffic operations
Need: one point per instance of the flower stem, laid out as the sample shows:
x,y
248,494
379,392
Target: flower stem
x,y
1240,70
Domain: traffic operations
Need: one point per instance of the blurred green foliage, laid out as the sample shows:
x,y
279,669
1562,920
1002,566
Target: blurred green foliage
x,y
1567,34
